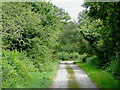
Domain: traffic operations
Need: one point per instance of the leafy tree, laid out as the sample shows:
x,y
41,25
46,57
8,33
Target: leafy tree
x,y
101,29
32,28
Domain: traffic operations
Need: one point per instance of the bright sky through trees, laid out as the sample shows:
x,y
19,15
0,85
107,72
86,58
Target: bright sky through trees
x,y
73,7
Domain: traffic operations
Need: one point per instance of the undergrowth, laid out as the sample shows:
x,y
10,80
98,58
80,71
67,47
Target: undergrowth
x,y
18,71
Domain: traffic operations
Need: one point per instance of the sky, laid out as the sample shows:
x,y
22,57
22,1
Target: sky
x,y
73,7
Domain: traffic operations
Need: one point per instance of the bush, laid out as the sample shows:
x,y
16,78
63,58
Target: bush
x,y
83,57
15,67
63,56
74,56
10,77
41,57
92,59
113,67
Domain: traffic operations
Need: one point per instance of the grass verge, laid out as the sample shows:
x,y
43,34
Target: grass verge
x,y
101,78
43,79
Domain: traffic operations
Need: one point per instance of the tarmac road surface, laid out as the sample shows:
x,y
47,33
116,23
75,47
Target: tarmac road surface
x,y
71,76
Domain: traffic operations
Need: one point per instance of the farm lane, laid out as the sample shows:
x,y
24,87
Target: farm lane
x,y
71,76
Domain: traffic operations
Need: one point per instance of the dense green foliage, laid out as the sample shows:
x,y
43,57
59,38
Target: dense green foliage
x,y
99,25
36,35
30,33
18,71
